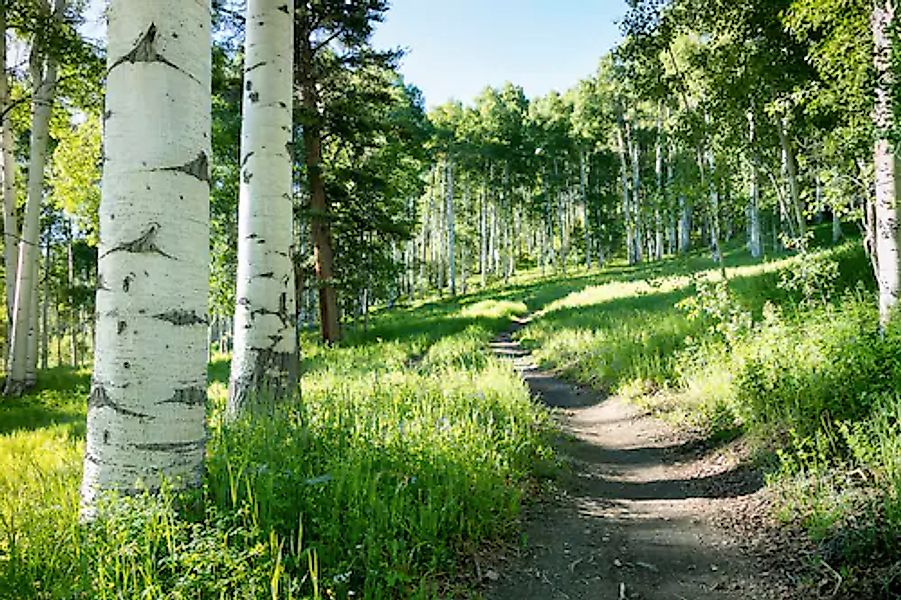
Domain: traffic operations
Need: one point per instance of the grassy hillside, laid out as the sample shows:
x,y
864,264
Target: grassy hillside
x,y
788,352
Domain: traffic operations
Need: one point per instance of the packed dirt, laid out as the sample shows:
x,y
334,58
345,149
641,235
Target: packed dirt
x,y
641,512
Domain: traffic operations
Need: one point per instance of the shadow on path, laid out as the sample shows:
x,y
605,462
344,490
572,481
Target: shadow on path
x,y
627,522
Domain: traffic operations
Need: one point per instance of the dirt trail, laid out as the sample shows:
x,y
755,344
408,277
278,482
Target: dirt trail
x,y
636,512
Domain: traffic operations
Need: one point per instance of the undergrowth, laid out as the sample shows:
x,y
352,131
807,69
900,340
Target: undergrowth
x,y
409,448
788,351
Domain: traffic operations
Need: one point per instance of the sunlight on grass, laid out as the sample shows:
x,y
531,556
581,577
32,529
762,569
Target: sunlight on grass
x,y
410,447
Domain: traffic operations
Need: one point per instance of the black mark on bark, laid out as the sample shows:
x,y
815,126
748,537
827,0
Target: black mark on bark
x,y
145,244
181,317
190,396
170,446
262,63
145,51
100,399
198,168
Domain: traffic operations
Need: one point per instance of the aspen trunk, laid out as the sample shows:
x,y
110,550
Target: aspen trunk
x,y
22,331
148,393
636,199
658,171
583,192
483,239
10,223
45,311
451,238
837,233
887,204
264,363
791,172
755,245
624,184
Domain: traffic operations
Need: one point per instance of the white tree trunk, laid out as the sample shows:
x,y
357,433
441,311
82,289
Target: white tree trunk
x,y
264,363
624,187
483,237
658,171
45,310
887,167
636,200
451,237
583,192
146,409
8,171
22,331
755,245
791,173
837,233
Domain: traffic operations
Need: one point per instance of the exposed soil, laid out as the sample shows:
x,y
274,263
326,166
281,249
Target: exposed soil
x,y
642,512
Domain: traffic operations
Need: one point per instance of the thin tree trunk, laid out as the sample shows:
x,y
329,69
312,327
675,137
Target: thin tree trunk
x,y
791,172
483,238
320,220
887,205
451,238
583,192
624,183
636,198
658,171
10,223
45,312
837,233
755,245
148,393
264,363
44,76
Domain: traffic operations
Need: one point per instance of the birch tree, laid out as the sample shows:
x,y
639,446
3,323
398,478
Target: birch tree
x,y
7,155
146,407
23,334
264,364
887,204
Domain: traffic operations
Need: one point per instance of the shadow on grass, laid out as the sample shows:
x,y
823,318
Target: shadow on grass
x,y
59,399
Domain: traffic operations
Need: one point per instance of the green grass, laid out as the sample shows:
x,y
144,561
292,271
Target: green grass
x,y
412,445
409,450
790,357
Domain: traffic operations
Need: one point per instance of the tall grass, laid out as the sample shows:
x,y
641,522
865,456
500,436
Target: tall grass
x,y
789,351
408,449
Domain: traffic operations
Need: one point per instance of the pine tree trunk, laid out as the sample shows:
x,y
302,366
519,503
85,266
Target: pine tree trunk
x,y
320,219
887,204
44,76
264,363
148,392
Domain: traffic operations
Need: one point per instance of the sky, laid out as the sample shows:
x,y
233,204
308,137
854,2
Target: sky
x,y
457,47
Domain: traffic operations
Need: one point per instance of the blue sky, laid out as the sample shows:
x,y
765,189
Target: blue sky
x,y
457,47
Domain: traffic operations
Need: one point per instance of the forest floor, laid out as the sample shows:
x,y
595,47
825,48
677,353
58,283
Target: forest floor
x,y
642,510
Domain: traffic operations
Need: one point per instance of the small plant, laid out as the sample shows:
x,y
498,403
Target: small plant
x,y
717,307
813,276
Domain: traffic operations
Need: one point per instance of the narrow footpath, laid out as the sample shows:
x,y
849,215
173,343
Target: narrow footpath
x,y
639,513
